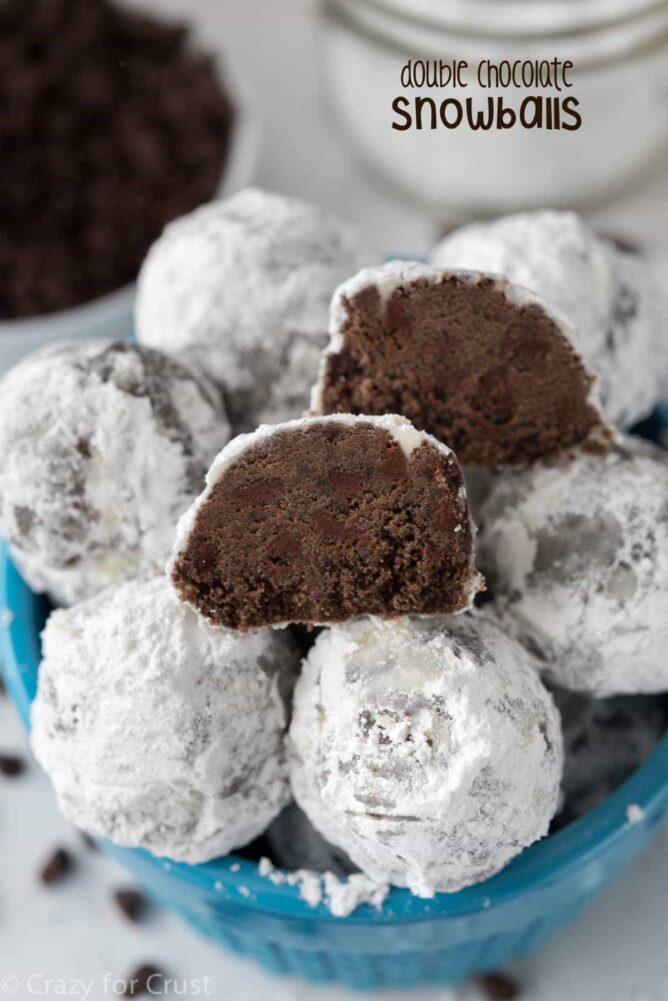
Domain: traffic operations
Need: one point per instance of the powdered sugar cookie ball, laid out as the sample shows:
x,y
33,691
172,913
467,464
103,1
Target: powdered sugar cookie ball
x,y
243,286
103,445
605,741
158,731
577,559
610,296
427,749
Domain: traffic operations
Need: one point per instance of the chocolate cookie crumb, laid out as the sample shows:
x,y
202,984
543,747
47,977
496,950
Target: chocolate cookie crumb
x,y
57,868
498,986
11,765
481,364
131,903
146,979
322,519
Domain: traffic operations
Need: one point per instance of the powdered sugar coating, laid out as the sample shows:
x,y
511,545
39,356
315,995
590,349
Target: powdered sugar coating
x,y
103,444
428,750
340,896
611,297
577,559
157,730
243,286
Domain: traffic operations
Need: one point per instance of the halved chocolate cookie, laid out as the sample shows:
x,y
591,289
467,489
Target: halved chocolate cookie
x,y
485,366
322,519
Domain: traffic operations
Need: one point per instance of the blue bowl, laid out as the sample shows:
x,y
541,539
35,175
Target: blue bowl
x,y
410,941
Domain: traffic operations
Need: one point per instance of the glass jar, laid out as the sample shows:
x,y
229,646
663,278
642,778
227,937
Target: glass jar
x,y
619,52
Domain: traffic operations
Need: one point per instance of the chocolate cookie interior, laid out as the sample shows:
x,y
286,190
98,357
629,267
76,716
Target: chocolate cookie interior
x,y
326,521
498,382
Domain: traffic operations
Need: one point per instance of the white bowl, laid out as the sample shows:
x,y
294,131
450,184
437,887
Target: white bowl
x,y
111,315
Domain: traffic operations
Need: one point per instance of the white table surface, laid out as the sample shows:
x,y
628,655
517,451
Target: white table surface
x,y
617,951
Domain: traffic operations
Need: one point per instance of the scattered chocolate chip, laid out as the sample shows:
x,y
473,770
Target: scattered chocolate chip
x,y
498,986
57,867
132,903
11,765
145,979
3,690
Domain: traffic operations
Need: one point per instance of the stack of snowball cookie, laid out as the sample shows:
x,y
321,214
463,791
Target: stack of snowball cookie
x,y
454,687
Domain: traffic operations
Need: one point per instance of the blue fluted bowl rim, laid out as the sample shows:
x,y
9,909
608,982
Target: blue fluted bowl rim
x,y
548,861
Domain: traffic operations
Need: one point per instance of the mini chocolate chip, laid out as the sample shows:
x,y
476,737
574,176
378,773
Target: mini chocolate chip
x,y
59,865
132,903
204,556
11,765
498,986
145,979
